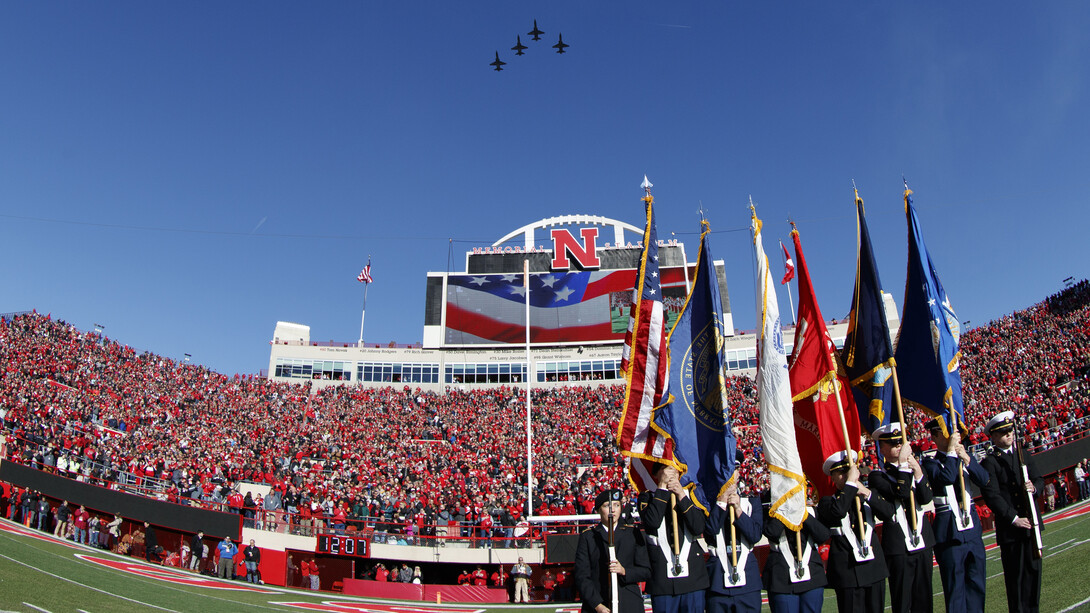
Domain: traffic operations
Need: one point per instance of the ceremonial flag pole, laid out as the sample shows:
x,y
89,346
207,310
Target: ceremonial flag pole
x,y
696,418
1034,520
646,364
613,579
928,355
868,353
816,374
365,278
777,424
816,377
913,518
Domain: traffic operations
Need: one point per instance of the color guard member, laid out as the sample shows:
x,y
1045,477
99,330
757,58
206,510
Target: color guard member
x,y
1009,495
857,566
593,566
959,548
907,540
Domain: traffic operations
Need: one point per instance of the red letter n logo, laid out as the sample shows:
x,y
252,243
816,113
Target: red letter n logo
x,y
564,243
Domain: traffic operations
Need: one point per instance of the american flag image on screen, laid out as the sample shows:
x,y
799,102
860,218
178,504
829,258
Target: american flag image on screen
x,y
565,307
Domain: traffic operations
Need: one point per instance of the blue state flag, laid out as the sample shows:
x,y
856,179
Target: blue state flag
x,y
928,353
697,418
867,353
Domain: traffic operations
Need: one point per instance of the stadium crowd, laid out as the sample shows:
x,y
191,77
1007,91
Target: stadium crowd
x,y
76,403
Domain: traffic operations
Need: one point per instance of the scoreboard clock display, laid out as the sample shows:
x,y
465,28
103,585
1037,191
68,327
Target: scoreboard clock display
x,y
343,545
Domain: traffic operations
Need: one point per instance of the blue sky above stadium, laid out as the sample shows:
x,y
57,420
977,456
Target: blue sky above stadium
x,y
187,174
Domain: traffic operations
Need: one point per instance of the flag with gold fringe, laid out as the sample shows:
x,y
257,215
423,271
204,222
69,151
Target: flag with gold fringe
x,y
817,379
928,353
777,425
647,366
697,419
867,353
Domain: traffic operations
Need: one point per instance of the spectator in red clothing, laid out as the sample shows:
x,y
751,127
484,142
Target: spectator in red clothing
x,y
108,409
80,521
548,584
480,577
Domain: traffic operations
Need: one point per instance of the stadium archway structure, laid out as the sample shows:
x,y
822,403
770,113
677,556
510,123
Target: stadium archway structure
x,y
581,270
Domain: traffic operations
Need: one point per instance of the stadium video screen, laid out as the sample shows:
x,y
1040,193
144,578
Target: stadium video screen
x,y
565,307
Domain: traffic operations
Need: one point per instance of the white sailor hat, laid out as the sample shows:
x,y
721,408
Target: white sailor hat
x,y
838,461
888,433
1001,423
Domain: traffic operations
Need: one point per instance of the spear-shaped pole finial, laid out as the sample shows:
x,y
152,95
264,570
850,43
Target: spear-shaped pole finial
x,y
754,222
647,185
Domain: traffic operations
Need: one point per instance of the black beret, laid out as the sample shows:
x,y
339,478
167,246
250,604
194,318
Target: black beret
x,y
605,496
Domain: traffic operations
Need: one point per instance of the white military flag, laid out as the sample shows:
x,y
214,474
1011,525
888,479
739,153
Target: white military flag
x,y
788,483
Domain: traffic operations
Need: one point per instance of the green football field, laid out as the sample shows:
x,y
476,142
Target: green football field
x,y
39,574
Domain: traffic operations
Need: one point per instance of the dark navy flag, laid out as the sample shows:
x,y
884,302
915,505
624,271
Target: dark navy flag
x,y
928,353
697,419
867,353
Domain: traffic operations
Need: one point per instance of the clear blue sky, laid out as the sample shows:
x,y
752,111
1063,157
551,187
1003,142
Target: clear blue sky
x,y
188,173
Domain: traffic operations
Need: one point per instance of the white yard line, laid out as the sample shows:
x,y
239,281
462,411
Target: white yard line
x,y
1074,606
101,591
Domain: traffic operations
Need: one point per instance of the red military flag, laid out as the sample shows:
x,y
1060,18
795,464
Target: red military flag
x,y
817,379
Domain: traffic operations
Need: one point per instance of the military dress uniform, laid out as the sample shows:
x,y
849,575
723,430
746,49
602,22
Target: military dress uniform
x,y
795,583
734,590
857,566
675,585
592,576
1008,499
909,554
959,548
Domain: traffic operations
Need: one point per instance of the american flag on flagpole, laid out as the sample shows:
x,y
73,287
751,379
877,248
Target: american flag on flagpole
x,y
646,365
788,266
365,274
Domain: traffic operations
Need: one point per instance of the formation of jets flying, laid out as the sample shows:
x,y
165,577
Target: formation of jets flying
x,y
520,48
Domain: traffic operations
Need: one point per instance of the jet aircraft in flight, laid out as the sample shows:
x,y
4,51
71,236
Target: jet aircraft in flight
x,y
498,63
559,46
519,47
535,32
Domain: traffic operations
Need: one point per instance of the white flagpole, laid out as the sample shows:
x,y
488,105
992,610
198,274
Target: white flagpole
x,y
790,301
363,313
529,451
